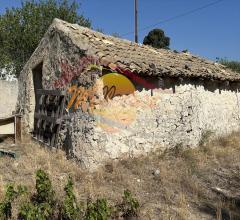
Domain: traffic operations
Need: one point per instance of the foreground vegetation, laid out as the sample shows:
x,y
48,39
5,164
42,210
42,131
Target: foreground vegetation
x,y
43,205
181,183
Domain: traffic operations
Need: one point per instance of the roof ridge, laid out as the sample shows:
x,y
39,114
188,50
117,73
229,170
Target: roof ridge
x,y
151,61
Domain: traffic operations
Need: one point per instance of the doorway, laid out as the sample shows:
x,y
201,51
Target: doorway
x,y
37,81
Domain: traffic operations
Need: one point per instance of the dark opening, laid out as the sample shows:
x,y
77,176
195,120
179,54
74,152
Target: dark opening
x,y
37,81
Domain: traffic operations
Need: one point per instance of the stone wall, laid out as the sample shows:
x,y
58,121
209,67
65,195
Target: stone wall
x,y
137,124
8,97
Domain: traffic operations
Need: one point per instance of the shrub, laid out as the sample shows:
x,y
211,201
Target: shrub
x,y
98,210
42,204
129,206
31,211
44,189
71,211
6,205
10,195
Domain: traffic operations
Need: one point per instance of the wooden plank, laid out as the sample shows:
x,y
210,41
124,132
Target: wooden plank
x,y
52,143
18,129
48,118
60,115
38,134
40,141
42,97
41,135
51,92
62,106
38,123
5,121
50,110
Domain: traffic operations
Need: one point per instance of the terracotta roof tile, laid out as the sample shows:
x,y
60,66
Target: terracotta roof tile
x,y
140,58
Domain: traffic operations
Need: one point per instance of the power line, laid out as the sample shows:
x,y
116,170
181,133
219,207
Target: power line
x,y
175,17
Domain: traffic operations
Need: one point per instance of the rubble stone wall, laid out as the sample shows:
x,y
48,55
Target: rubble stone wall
x,y
160,120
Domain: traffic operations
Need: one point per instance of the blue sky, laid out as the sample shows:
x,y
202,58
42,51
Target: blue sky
x,y
211,32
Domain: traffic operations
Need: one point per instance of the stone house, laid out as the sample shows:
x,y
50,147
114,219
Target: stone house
x,y
101,98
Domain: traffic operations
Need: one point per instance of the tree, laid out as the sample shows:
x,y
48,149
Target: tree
x,y
156,38
115,34
21,29
231,64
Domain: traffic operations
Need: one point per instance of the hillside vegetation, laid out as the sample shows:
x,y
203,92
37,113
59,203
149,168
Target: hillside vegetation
x,y
200,183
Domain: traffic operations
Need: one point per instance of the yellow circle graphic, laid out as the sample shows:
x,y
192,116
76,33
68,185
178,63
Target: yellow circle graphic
x,y
115,84
116,117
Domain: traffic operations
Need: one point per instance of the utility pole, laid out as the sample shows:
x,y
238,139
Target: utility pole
x,y
136,19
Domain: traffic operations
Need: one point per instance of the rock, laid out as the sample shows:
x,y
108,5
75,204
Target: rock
x,y
156,172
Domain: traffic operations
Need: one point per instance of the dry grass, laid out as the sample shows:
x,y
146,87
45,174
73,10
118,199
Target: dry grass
x,y
182,189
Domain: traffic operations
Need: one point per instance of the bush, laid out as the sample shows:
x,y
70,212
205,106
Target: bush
x,y
129,206
44,189
98,210
6,205
31,211
71,211
44,206
10,195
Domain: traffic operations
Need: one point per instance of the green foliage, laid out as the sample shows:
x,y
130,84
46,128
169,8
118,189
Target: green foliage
x,y
10,195
156,38
44,206
70,207
129,206
98,210
233,65
44,189
6,205
43,203
21,29
31,211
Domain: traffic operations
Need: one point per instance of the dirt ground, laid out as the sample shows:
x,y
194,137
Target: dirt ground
x,y
201,183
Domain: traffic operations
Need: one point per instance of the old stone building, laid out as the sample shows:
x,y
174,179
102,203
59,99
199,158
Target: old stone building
x,y
102,98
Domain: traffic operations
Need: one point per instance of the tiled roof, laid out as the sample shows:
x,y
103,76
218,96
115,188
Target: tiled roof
x,y
143,59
